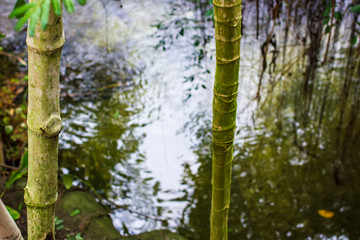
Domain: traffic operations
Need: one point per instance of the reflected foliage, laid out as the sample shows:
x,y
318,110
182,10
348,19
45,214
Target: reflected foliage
x,y
300,154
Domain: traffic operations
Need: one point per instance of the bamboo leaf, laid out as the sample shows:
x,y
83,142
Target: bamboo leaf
x,y
355,8
45,9
82,2
20,11
67,180
16,12
13,213
56,6
20,172
69,5
34,18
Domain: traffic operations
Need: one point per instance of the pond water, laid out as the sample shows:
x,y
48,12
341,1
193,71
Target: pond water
x,y
136,99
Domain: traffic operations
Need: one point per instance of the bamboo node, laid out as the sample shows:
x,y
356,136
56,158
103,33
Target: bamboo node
x,y
222,166
30,202
227,186
52,127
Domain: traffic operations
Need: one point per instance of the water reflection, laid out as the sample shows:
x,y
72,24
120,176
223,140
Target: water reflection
x,y
299,155
130,134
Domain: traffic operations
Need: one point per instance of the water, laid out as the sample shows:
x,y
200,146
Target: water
x,y
137,91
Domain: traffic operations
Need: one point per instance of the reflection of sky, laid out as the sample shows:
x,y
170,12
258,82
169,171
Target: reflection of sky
x,y
166,145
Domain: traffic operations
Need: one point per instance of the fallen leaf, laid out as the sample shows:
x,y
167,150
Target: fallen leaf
x,y
325,213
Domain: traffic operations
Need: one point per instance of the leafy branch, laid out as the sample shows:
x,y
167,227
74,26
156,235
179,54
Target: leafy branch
x,y
39,11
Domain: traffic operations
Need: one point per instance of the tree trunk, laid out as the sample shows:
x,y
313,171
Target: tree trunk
x,y
8,228
44,122
227,15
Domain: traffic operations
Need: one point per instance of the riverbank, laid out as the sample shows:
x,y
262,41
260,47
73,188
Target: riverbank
x,y
79,215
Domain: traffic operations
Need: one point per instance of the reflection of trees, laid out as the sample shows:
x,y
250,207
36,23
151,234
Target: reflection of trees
x,y
301,154
97,137
281,178
100,145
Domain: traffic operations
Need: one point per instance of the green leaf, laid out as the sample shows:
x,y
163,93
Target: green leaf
x,y
67,180
19,12
79,237
210,2
327,11
34,18
56,6
355,9
8,129
209,12
69,5
353,40
82,2
45,9
2,35
338,16
20,172
58,221
75,212
326,20
327,29
18,5
59,227
116,114
20,206
13,213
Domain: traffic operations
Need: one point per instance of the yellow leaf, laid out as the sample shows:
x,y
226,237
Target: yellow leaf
x,y
325,213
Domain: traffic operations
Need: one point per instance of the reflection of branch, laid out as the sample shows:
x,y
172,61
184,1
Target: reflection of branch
x,y
102,89
136,212
264,48
286,71
113,206
331,21
14,57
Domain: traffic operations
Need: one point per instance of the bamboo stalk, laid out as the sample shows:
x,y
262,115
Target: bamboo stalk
x,y
8,228
44,123
227,15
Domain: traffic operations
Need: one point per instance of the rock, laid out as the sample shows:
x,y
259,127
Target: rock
x,y
157,235
92,219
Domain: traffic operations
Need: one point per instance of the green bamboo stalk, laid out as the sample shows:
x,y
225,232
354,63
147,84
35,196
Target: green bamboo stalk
x,y
44,123
227,15
8,228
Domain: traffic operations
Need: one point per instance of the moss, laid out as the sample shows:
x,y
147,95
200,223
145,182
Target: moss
x,y
157,235
92,221
101,228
